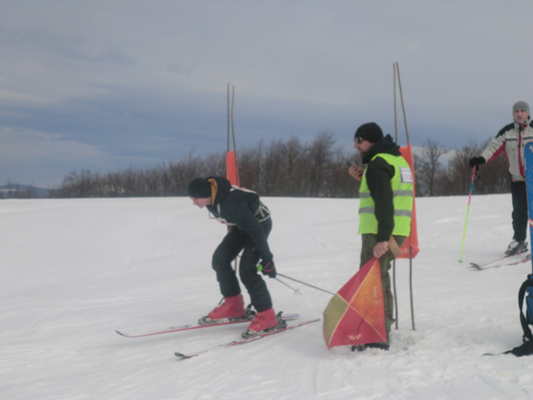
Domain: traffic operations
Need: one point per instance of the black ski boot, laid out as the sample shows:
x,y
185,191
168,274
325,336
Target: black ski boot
x,y
516,247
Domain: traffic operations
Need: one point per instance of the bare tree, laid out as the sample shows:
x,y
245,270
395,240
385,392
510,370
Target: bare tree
x,y
250,160
289,168
293,168
458,176
318,160
429,167
272,170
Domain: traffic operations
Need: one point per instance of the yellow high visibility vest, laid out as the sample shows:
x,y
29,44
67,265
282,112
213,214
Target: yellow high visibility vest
x,y
402,191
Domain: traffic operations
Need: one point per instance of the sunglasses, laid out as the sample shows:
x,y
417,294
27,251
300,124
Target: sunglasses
x,y
359,139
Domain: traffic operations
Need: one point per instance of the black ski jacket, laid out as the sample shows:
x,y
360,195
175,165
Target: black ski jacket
x,y
378,176
240,208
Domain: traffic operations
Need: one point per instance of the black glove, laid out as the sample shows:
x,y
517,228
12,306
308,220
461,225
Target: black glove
x,y
476,162
268,268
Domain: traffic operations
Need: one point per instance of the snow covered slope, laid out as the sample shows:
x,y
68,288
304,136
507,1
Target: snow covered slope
x,y
73,271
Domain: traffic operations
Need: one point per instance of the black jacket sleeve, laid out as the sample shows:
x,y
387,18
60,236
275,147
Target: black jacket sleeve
x,y
378,177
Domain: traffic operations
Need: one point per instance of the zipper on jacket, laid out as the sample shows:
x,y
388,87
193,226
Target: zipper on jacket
x,y
520,166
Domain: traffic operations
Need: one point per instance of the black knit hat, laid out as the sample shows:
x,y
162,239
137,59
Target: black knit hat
x,y
199,188
369,131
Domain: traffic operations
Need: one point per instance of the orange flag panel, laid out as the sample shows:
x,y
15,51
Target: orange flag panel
x,y
355,315
232,171
412,240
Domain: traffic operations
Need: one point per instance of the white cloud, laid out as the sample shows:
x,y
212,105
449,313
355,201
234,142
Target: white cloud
x,y
19,145
298,67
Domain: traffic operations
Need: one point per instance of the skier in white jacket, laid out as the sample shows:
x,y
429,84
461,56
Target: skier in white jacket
x,y
512,139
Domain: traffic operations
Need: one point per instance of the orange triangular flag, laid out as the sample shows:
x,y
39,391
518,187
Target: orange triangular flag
x,y
355,315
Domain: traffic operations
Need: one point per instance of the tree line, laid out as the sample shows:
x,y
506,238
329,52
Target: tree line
x,y
285,168
435,178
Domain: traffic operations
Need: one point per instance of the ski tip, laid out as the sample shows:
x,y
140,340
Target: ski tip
x,y
498,354
126,335
182,356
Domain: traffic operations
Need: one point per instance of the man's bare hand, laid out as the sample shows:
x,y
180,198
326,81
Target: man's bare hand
x,y
356,172
380,249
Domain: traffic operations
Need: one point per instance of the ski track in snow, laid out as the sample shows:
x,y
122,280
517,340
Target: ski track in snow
x,y
73,271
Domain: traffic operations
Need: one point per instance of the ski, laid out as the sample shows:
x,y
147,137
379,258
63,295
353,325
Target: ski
x,y
287,317
238,342
477,267
489,262
484,263
498,354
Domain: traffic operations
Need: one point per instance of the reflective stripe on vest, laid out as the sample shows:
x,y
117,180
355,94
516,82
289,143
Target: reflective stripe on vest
x,y
402,191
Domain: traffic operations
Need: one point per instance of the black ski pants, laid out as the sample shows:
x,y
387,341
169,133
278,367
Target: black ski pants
x,y
233,243
520,213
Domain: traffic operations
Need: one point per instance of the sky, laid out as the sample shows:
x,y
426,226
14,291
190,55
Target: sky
x,y
108,85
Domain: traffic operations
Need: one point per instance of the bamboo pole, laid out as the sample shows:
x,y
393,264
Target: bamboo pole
x,y
396,315
401,98
234,144
228,119
411,248
232,125
395,109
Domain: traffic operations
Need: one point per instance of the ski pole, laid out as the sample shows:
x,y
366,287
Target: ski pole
x,y
468,210
289,286
306,284
260,268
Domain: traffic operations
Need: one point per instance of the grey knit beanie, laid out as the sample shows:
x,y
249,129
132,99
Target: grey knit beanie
x,y
521,105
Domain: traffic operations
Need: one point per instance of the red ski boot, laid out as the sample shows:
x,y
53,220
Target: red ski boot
x,y
232,307
264,321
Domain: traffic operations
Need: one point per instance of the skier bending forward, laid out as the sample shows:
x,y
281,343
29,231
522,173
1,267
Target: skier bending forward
x,y
249,224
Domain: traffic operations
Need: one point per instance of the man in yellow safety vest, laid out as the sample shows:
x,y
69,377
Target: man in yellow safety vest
x,y
386,203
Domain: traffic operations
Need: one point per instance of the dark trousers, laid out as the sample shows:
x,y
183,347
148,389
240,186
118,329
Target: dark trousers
x,y
369,242
232,244
520,214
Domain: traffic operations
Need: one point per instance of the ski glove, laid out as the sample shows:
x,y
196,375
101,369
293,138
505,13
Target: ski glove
x,y
476,162
268,268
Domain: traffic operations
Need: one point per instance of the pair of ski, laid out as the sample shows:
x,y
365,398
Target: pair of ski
x,y
501,261
288,317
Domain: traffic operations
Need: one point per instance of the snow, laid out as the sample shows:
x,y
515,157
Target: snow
x,y
73,271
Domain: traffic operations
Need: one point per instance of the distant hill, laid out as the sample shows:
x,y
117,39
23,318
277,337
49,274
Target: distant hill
x,y
15,190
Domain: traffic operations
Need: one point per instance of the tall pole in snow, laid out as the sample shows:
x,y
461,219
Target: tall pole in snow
x,y
395,297
411,244
228,118
468,211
